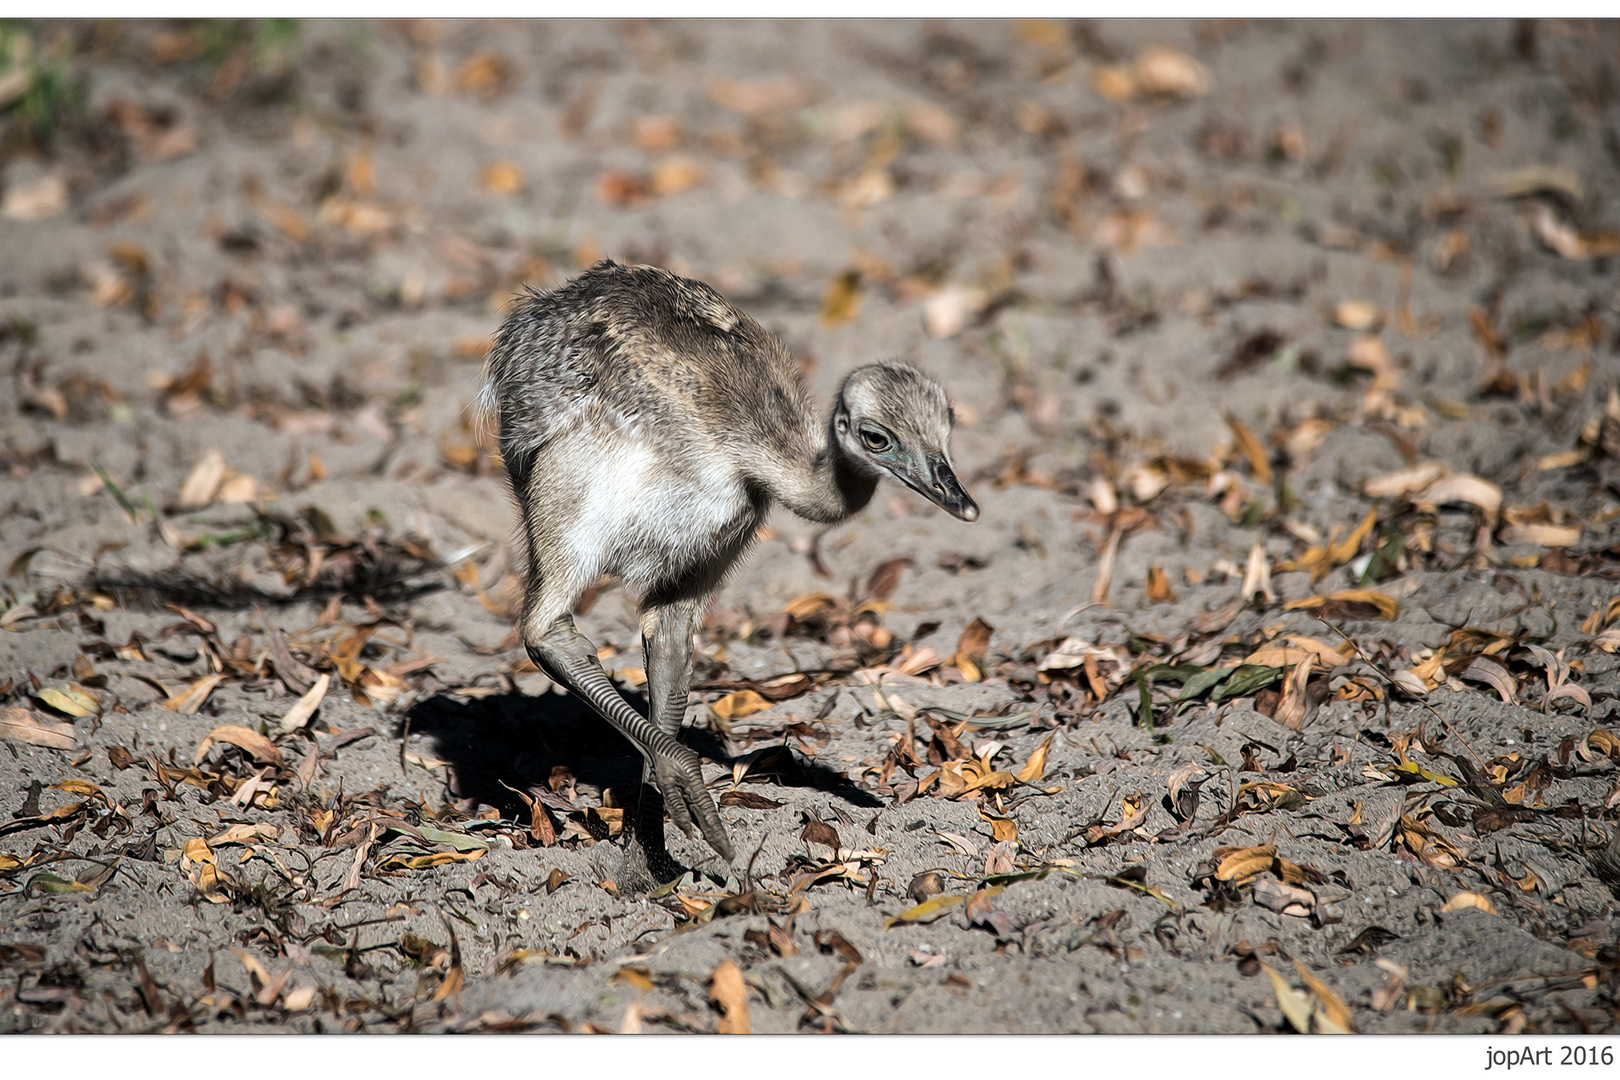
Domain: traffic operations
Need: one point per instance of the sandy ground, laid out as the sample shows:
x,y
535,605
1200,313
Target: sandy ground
x,y
1268,693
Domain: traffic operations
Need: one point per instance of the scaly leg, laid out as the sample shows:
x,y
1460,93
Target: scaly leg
x,y
563,653
666,642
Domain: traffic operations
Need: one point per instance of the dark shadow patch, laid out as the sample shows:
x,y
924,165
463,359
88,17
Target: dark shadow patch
x,y
518,740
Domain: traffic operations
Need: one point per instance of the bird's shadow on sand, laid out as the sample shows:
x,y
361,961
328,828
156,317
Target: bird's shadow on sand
x,y
504,741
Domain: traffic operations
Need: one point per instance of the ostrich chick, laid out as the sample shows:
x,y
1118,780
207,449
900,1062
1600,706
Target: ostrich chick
x,y
647,427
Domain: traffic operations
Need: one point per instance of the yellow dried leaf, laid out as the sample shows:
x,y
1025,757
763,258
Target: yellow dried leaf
x,y
842,300
739,704
427,862
635,976
243,833
305,707
809,606
189,700
486,74
72,700
728,990
197,862
1244,863
1350,603
1469,900
1047,33
925,912
292,224
1295,1004
1158,586
1276,654
1114,82
1332,1015
1035,768
1249,445
676,174
503,178
1321,559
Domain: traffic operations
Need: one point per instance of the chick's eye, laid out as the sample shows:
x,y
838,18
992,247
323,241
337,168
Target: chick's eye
x,y
875,441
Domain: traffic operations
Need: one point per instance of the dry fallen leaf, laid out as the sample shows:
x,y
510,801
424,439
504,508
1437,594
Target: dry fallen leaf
x,y
728,990
926,911
738,704
1248,444
1295,1004
675,175
299,999
486,74
1283,898
33,200
1494,674
1404,481
1534,179
261,748
950,311
189,700
1158,586
1542,534
69,699
1463,488
1323,558
1035,768
1241,864
1561,236
243,833
305,707
1157,71
1277,654
970,649
755,98
1332,1015
1369,353
1348,604
1469,900
197,863
502,178
1358,315
1257,576
204,480
661,132
842,300
1292,706
21,725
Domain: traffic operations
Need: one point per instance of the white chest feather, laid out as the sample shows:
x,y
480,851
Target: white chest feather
x,y
645,521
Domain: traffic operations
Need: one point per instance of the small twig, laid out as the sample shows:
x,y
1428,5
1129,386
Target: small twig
x,y
1380,673
748,871
404,740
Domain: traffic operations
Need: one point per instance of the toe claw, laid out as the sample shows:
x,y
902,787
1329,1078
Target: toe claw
x,y
680,778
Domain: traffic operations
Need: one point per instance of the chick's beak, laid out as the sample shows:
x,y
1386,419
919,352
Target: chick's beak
x,y
945,490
